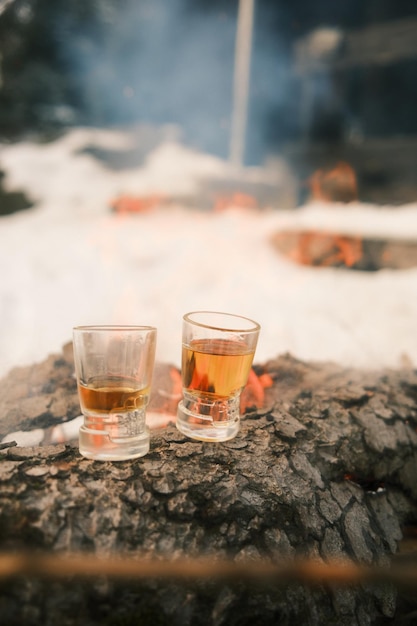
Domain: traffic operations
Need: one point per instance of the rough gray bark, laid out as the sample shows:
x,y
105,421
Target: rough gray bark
x,y
326,469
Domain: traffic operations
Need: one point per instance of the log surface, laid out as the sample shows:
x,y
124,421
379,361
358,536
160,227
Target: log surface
x,y
327,469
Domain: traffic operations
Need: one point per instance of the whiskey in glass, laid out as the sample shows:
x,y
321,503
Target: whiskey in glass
x,y
114,366
217,354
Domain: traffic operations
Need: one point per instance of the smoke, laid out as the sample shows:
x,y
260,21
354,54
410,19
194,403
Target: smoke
x,y
155,62
158,62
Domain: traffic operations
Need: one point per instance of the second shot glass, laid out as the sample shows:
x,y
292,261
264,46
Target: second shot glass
x,y
217,354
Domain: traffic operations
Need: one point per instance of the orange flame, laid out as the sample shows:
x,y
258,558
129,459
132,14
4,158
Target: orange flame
x,y
164,401
136,204
319,249
327,250
237,199
338,184
253,395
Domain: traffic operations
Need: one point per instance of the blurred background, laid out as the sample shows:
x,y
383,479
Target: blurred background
x,y
323,76
299,117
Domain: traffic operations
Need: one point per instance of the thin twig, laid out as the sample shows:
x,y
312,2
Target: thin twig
x,y
309,572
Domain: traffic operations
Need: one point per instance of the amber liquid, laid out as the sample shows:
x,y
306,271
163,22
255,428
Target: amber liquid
x,y
215,368
108,394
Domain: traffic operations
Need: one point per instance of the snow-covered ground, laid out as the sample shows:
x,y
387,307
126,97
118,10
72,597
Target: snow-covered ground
x,y
71,261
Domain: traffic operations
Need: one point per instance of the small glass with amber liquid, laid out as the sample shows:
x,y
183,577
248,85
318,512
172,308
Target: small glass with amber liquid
x,y
217,354
114,366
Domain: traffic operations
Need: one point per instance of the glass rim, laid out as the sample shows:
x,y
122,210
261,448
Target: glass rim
x,y
255,328
112,327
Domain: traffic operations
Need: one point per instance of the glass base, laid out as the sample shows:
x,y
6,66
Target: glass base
x,y
98,445
203,427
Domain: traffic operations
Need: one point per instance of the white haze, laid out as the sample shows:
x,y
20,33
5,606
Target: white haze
x,y
71,261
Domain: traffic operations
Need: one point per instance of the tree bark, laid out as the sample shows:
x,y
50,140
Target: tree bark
x,y
325,470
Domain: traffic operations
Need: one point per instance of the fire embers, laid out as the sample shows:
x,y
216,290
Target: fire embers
x,y
368,484
235,200
323,249
167,392
337,184
319,249
126,204
253,395
332,249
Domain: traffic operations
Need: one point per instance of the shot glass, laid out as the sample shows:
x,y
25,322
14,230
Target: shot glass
x,y
217,354
114,367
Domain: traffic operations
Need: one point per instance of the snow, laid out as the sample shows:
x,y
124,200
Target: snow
x,y
71,261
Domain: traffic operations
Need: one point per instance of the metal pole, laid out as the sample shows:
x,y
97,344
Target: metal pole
x,y
241,80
